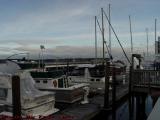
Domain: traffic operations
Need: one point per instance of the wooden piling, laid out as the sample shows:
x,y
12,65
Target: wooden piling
x,y
130,79
106,94
16,99
113,86
113,93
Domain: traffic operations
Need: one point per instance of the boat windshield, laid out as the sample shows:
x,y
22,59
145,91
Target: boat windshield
x,y
78,72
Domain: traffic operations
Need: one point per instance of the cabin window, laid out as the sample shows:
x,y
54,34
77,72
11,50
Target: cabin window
x,y
37,81
3,93
78,72
97,80
91,79
45,81
60,83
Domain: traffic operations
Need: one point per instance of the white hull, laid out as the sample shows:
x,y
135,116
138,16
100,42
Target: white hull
x,y
33,101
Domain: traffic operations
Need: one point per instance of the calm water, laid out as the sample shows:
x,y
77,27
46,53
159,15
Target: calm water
x,y
129,110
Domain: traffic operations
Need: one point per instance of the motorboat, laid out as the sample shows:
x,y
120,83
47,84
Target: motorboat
x,y
95,76
57,82
33,101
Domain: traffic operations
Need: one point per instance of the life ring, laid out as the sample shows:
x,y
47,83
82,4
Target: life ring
x,y
55,83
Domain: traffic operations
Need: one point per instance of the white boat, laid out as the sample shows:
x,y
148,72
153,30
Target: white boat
x,y
33,101
94,75
65,91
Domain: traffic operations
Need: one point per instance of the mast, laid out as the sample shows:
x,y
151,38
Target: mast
x,y
102,34
95,39
131,34
109,27
155,33
147,39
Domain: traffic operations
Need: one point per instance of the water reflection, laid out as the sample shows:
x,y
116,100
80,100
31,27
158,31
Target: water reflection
x,y
136,107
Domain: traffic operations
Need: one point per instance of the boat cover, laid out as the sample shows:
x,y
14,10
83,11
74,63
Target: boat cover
x,y
27,86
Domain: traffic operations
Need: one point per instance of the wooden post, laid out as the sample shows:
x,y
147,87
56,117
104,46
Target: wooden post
x,y
149,82
113,86
16,99
130,79
106,94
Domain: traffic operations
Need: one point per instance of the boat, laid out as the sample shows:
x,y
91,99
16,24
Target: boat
x,y
33,101
95,76
57,82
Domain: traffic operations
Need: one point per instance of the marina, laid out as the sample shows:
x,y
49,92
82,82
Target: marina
x,y
79,60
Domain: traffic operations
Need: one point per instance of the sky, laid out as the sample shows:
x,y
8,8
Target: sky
x,y
66,27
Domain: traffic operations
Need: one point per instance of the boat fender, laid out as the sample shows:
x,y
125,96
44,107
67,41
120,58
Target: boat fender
x,y
55,83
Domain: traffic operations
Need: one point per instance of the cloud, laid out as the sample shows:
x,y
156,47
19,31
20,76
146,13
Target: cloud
x,y
67,27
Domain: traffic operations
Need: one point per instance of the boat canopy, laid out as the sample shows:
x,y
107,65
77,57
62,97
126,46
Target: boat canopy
x,y
27,84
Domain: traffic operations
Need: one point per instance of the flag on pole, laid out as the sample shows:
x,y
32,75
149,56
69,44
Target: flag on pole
x,y
42,47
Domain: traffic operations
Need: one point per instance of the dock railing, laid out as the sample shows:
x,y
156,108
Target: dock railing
x,y
148,78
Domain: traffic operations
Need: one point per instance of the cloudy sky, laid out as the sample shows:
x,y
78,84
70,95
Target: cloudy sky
x,y
66,27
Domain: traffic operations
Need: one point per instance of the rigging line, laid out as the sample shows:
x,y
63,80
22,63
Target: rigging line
x,y
117,38
105,41
111,58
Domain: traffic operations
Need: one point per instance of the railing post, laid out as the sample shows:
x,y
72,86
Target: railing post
x,y
149,82
106,94
16,99
113,87
130,79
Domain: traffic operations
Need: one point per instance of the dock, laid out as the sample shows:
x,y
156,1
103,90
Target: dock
x,y
90,110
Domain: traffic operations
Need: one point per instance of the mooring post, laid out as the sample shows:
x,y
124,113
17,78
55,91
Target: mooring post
x,y
130,79
16,99
106,94
113,86
113,93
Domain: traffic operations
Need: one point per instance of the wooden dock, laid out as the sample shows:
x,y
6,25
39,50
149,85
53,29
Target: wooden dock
x,y
90,110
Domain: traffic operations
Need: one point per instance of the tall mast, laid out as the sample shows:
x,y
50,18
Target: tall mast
x,y
147,39
96,39
109,27
155,33
131,34
102,34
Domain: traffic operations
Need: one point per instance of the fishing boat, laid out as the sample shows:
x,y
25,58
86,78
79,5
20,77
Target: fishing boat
x,y
65,90
33,101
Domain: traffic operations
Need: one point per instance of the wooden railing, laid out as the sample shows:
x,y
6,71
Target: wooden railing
x,y
146,78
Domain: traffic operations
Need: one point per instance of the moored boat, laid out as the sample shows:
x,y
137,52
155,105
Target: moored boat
x,y
65,90
33,101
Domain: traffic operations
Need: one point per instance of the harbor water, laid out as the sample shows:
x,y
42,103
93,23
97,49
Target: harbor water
x,y
137,107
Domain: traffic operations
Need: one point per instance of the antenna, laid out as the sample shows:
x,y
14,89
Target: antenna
x,y
131,34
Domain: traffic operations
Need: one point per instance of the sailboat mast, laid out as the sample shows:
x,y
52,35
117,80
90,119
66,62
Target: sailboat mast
x,y
109,27
102,34
155,33
147,39
131,34
96,39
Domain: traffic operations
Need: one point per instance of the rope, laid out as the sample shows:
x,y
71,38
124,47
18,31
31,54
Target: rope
x,y
117,38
